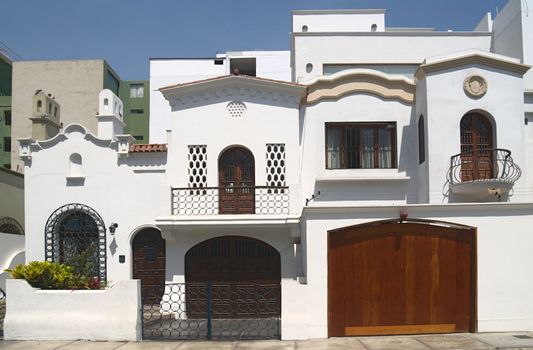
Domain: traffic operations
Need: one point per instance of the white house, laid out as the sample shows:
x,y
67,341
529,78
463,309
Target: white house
x,y
385,188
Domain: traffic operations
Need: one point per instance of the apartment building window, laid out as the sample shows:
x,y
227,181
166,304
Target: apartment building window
x,y
7,144
137,111
138,137
360,145
136,90
7,118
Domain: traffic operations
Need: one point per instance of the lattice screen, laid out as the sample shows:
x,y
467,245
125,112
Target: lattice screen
x,y
197,166
275,153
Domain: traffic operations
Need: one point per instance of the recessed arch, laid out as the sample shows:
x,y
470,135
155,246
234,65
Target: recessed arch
x,y
236,180
75,229
477,139
149,262
10,225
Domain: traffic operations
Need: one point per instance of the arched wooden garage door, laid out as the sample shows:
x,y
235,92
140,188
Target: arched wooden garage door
x,y
401,278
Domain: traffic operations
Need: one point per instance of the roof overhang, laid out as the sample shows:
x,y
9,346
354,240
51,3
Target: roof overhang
x,y
233,81
471,57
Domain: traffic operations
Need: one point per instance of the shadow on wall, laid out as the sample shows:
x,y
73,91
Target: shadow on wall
x,y
140,160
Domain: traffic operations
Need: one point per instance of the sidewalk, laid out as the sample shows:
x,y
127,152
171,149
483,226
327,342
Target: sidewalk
x,y
465,341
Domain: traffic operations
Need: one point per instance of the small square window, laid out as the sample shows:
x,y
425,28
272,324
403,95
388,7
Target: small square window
x,y
137,111
136,90
7,118
138,137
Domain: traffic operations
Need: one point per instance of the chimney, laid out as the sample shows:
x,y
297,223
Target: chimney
x,y
45,120
110,119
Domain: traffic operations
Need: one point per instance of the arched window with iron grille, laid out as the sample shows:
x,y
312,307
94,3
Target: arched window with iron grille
x,y
75,229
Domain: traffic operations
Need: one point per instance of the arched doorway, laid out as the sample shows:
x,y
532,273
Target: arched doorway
x,y
393,277
149,258
236,173
477,147
75,230
245,274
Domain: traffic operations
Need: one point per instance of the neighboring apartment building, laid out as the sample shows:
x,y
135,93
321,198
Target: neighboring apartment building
x,y
75,85
386,188
5,111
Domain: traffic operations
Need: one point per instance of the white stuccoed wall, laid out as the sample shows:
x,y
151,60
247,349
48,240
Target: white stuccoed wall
x,y
338,20
130,191
164,72
323,48
11,254
447,104
111,314
503,259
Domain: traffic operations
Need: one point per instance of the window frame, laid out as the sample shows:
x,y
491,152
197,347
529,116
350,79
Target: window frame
x,y
360,125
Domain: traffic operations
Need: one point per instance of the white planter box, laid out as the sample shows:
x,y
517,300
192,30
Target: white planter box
x,y
112,314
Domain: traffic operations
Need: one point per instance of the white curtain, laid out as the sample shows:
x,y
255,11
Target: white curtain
x,y
385,148
367,148
333,148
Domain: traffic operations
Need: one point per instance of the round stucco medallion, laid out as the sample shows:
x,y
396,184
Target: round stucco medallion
x,y
475,86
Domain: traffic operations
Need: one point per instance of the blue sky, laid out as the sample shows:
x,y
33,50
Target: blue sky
x,y
128,32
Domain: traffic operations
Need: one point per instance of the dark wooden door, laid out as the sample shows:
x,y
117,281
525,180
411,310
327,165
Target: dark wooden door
x,y
236,181
476,148
400,279
245,275
149,264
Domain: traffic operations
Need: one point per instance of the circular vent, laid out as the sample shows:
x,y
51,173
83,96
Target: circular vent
x,y
236,109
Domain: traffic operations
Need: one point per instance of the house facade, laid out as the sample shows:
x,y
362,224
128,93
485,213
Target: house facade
x,y
384,190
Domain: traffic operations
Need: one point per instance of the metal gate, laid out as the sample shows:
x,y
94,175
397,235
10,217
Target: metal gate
x,y
2,311
212,311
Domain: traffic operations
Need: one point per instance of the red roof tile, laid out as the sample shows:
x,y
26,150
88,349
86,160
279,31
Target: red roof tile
x,y
146,148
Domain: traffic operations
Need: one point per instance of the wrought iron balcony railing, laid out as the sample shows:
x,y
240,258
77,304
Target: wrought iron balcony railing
x,y
483,165
262,200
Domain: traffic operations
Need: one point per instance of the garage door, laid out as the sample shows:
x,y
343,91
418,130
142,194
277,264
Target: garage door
x,y
401,278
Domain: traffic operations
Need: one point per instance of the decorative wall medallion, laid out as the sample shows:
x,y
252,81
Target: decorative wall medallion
x,y
475,86
236,109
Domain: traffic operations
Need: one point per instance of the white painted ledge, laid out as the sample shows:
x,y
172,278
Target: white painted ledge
x,y
112,314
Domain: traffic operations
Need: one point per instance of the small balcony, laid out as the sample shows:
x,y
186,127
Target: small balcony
x,y
260,200
483,175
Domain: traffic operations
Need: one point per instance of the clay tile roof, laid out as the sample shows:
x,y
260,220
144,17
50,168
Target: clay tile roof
x,y
146,148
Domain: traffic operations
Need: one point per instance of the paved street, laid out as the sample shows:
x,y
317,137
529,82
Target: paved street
x,y
515,340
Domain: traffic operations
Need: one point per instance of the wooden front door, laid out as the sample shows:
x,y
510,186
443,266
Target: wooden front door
x,y
245,275
403,278
149,264
236,170
476,148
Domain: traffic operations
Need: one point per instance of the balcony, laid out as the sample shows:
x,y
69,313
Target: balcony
x,y
483,175
260,200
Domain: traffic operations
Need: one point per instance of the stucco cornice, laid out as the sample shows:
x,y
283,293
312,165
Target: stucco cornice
x,y
65,134
232,85
485,59
386,86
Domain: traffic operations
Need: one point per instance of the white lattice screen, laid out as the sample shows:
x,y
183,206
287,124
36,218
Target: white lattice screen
x,y
275,153
197,166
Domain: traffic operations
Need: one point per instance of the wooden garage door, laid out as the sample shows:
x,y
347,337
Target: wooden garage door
x,y
401,278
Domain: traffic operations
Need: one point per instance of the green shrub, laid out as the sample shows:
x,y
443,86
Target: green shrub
x,y
50,275
44,274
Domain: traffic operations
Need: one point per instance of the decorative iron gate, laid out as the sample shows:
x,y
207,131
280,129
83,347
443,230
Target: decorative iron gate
x,y
212,311
2,311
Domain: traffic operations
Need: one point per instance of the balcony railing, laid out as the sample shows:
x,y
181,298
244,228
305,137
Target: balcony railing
x,y
263,200
483,165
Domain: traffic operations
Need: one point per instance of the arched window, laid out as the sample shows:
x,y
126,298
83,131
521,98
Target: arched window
x,y
75,165
39,106
74,230
421,140
476,147
10,225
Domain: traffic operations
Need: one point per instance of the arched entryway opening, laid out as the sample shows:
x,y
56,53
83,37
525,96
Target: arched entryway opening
x,y
245,275
392,277
149,258
477,147
236,174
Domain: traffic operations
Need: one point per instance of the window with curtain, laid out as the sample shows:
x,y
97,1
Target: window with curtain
x,y
136,90
360,145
